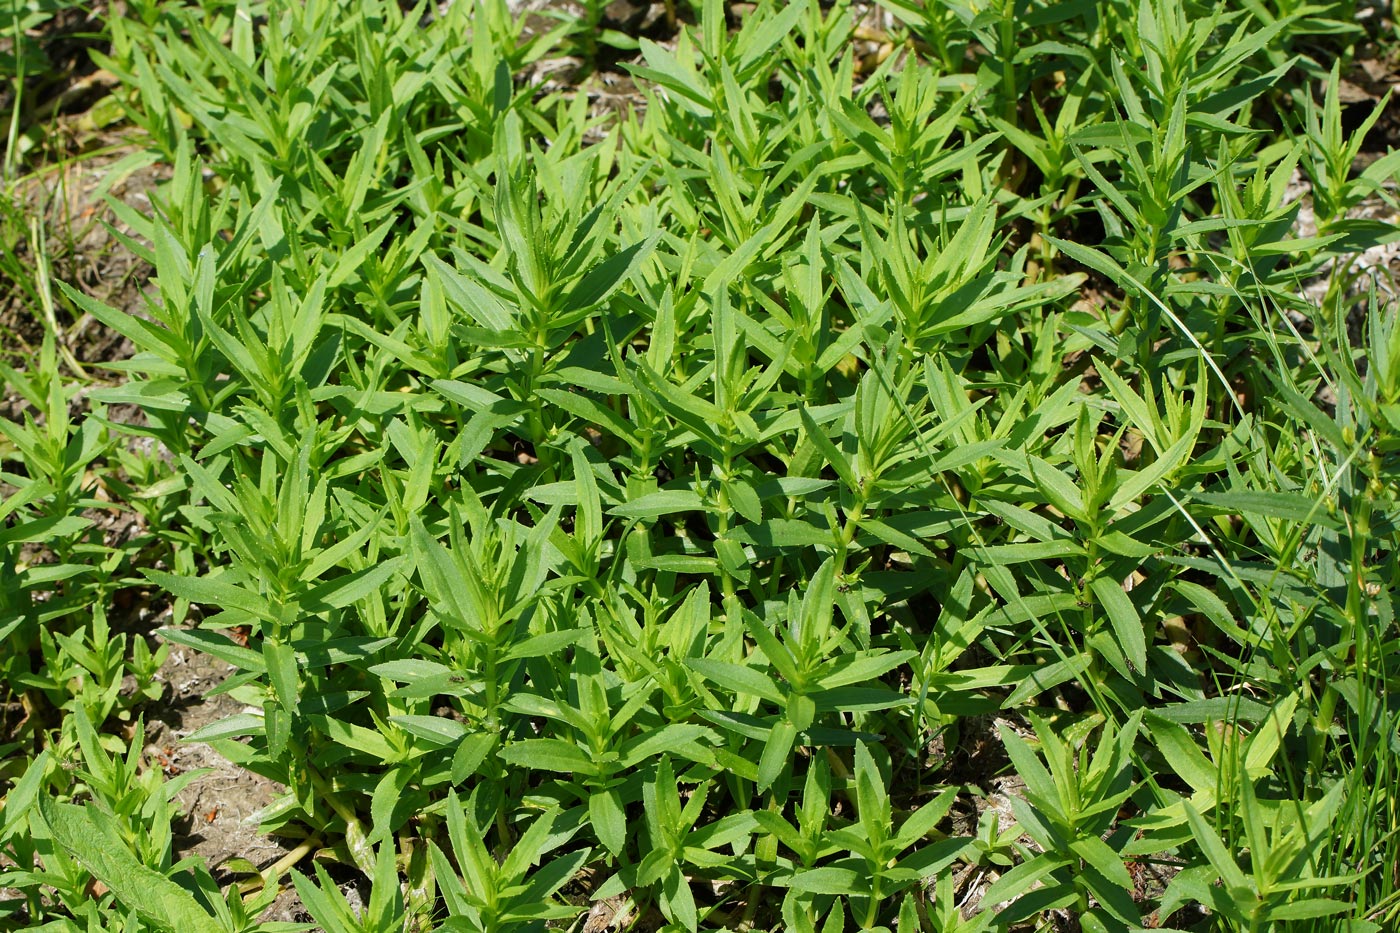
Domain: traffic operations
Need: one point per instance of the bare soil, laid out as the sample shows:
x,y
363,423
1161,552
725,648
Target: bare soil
x,y
220,808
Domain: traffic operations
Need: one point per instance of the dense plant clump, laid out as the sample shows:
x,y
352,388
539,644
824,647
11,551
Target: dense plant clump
x,y
886,472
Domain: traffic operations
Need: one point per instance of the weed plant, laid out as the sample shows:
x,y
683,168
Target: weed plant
x,y
699,507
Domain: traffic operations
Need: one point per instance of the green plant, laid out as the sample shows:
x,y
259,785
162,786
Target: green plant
x,y
651,507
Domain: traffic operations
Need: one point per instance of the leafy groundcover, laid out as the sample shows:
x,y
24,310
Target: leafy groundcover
x,y
926,466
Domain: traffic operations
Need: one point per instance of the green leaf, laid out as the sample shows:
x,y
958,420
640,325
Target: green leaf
x,y
656,504
1094,851
351,261
145,335
1143,481
410,670
894,537
745,500
481,305
470,754
549,755
92,837
779,655
829,880
1310,908
23,794
777,753
784,533
600,281
736,677
1183,754
1264,742
211,591
589,517
686,740
872,800
1123,616
1290,506
350,588
385,801
609,821
544,644
923,820
1016,882
437,730
215,645
830,454
44,529
678,901
861,667
553,876
1220,858
933,858
1040,786
282,673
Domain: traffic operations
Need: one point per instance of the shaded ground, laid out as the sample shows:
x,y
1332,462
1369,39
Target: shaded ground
x,y
60,213
220,808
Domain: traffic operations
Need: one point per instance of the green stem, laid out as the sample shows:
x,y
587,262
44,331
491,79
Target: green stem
x,y
850,526
538,433
722,523
1006,42
872,912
